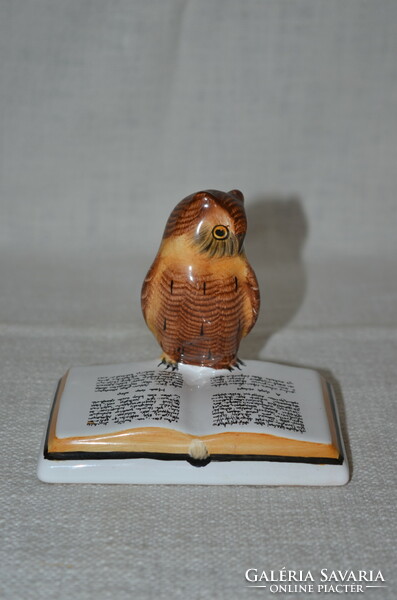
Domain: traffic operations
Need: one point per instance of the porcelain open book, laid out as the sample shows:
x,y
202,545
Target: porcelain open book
x,y
140,423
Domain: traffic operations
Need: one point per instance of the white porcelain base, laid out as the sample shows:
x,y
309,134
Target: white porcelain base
x,y
151,471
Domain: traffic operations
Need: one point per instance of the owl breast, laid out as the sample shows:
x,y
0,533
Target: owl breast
x,y
200,319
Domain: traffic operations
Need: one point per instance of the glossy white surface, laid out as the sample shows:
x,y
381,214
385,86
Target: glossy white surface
x,y
196,397
151,471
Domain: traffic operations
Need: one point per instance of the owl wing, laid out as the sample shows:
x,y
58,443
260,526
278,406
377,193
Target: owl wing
x,y
164,297
251,300
149,296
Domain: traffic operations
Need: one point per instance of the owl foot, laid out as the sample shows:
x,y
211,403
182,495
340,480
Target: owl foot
x,y
168,362
236,365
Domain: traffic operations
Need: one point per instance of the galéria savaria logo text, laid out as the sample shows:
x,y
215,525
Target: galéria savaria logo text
x,y
306,582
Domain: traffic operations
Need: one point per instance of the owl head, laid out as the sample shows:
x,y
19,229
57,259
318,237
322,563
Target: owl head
x,y
213,222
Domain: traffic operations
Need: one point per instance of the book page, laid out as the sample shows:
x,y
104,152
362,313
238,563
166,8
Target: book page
x,y
262,398
113,398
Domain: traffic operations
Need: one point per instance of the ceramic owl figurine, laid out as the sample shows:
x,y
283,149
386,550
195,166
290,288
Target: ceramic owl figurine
x,y
200,296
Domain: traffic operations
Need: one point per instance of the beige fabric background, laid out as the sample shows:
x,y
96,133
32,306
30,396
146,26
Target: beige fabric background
x,y
110,113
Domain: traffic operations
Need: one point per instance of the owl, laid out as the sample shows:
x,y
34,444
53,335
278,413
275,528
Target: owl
x,y
200,296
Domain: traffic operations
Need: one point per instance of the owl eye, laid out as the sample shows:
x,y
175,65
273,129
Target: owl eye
x,y
220,232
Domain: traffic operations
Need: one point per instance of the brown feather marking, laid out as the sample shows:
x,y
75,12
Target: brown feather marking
x,y
252,299
184,312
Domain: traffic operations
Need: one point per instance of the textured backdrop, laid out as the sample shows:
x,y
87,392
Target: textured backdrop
x,y
110,113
